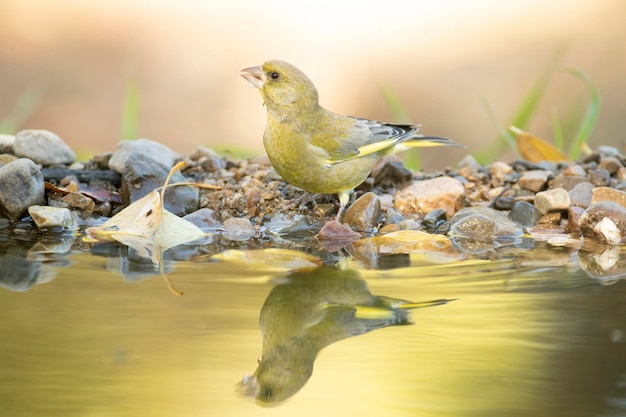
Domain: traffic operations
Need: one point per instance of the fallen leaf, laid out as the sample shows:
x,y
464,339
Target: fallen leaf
x,y
534,149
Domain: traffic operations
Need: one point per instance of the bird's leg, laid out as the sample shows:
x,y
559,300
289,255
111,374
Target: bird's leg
x,y
344,199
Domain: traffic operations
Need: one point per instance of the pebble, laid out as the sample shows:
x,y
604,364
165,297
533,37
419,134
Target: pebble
x,y
42,147
205,219
567,181
483,224
390,172
605,222
555,199
534,180
210,160
153,150
238,229
364,214
21,186
580,195
143,174
524,214
500,170
600,194
6,143
424,196
611,164
47,217
5,158
78,200
599,177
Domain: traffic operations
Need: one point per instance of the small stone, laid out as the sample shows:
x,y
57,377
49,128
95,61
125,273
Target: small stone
x,y
605,222
483,224
210,160
153,150
580,195
21,186
78,200
567,181
47,217
524,214
424,196
390,172
600,194
611,164
607,151
5,158
364,214
238,229
599,177
500,170
574,170
573,219
555,199
6,143
553,217
42,147
621,174
435,222
534,180
206,219
470,162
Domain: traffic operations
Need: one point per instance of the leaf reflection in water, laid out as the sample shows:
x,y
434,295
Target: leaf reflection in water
x,y
308,311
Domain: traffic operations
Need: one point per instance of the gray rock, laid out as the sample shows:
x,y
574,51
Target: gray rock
x,y
483,224
604,222
524,214
43,147
580,195
155,151
142,175
205,219
556,199
21,186
599,177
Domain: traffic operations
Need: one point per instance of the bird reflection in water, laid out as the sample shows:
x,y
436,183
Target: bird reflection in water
x,y
308,311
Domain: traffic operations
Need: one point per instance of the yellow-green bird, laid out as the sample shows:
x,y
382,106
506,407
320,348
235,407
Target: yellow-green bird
x,y
318,150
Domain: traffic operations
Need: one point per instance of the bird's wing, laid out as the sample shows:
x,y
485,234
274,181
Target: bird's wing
x,y
368,137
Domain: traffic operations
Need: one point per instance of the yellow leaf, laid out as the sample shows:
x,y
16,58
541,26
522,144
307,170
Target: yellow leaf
x,y
534,149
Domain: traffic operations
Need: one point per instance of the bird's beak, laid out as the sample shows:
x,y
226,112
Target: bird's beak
x,y
254,76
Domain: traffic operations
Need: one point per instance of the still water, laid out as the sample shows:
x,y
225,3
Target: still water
x,y
89,340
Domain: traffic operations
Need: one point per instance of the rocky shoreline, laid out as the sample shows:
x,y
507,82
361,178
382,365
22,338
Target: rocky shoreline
x,y
43,184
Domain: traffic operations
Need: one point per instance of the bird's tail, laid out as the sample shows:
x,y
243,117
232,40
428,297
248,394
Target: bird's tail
x,y
421,141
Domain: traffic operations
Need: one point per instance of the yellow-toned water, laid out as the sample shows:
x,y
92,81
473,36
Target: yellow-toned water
x,y
89,343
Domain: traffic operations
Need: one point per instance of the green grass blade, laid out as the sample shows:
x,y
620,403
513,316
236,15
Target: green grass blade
x,y
24,107
130,110
399,114
591,114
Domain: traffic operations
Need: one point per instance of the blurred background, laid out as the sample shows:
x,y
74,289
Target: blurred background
x,y
84,68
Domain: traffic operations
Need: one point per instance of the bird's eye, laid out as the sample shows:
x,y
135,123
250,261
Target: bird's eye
x,y
274,75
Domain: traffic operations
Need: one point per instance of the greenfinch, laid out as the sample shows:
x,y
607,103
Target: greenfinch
x,y
308,311
318,150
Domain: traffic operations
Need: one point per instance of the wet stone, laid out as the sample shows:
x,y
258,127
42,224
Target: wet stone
x,y
580,195
599,177
143,174
555,199
42,147
364,214
435,222
47,217
205,219
535,180
238,229
573,219
600,194
155,151
424,196
500,170
77,200
605,222
483,224
390,172
524,214
21,186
